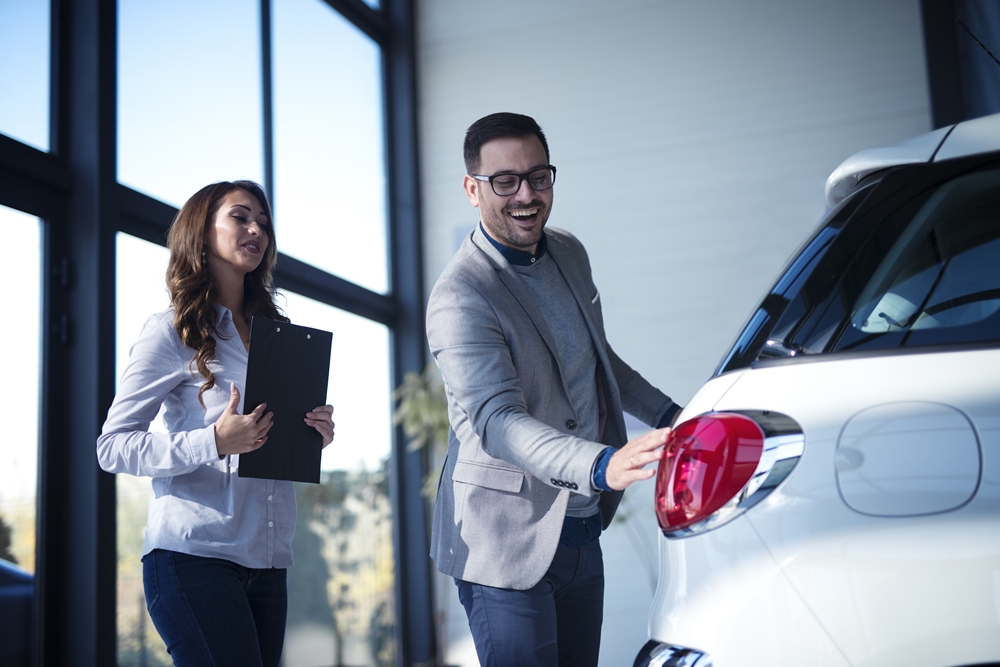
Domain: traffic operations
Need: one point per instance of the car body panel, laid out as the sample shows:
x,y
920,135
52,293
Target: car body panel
x,y
912,151
980,135
709,395
878,472
761,608
881,590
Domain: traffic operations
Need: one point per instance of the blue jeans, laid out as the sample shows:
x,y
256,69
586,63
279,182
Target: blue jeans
x,y
212,612
556,622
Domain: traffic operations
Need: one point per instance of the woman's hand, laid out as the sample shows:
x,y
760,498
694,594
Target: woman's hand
x,y
238,434
321,419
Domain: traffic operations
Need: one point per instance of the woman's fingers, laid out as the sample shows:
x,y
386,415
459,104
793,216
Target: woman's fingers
x,y
321,419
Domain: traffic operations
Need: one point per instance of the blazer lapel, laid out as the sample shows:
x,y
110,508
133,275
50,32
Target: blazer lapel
x,y
512,282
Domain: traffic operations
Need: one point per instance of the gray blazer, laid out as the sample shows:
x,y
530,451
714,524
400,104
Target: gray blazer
x,y
512,456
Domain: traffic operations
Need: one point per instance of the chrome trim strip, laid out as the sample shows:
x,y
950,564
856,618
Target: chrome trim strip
x,y
657,654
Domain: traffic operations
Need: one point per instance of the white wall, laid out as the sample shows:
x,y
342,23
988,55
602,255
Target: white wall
x,y
692,137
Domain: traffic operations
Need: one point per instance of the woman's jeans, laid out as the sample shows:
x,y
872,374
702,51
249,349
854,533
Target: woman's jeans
x,y
213,612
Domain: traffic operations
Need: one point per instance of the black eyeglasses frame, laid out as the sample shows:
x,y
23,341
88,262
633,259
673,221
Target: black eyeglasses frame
x,y
520,179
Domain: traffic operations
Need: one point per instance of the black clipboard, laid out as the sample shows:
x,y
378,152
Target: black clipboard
x,y
288,369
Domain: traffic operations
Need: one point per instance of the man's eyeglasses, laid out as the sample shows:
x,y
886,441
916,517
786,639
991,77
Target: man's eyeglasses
x,y
507,184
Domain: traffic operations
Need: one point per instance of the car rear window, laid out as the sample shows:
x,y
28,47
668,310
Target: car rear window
x,y
912,261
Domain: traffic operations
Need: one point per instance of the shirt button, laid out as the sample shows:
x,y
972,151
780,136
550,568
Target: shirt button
x,y
269,497
571,424
270,524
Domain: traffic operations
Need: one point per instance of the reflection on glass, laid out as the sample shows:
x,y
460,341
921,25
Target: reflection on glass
x,y
24,71
189,95
329,162
340,599
19,445
140,291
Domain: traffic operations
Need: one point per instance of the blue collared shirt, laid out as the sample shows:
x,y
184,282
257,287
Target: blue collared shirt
x,y
199,505
518,257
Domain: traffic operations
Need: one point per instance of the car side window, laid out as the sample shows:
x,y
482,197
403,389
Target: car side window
x,y
910,261
939,282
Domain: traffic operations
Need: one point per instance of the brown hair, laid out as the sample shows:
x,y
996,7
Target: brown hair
x,y
498,126
193,291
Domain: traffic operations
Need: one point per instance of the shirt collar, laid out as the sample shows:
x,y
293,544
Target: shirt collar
x,y
221,315
518,257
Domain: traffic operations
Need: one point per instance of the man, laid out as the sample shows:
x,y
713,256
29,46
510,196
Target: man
x,y
537,458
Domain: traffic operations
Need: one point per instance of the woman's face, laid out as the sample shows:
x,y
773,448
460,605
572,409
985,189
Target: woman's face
x,y
237,235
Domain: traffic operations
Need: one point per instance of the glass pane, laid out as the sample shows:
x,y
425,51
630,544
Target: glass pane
x,y
329,154
937,283
340,591
19,446
140,291
189,95
24,71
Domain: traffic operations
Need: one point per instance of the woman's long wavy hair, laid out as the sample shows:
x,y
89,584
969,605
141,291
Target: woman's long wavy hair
x,y
193,290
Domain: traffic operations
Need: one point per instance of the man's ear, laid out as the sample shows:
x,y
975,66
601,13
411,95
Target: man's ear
x,y
471,187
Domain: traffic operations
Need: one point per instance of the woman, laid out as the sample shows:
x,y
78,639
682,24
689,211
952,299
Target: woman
x,y
216,544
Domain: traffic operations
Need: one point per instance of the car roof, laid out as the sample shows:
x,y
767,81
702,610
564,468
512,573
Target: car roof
x,y
980,135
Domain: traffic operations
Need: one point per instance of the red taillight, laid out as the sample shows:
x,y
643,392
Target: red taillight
x,y
706,462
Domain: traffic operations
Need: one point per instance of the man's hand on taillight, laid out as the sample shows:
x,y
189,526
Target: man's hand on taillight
x,y
628,465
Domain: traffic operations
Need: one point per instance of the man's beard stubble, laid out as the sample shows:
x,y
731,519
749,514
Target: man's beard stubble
x,y
507,232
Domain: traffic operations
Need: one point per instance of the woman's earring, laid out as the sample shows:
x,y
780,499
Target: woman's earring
x,y
204,257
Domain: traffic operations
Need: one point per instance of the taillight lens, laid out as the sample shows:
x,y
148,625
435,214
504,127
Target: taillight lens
x,y
706,463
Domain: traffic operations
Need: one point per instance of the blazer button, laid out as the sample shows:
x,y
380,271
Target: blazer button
x,y
555,482
571,424
573,486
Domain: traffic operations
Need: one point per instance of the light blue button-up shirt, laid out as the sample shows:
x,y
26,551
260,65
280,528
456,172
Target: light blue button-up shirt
x,y
199,505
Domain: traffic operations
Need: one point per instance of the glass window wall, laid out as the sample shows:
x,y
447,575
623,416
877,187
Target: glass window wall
x,y
340,590
140,291
189,95
19,445
329,153
24,71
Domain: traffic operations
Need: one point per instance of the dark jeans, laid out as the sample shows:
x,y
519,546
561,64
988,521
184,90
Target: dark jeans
x,y
556,622
212,612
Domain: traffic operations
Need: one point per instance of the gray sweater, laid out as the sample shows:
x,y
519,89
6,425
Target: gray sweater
x,y
575,349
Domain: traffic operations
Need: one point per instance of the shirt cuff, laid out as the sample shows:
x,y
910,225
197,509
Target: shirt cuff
x,y
201,445
669,412
599,478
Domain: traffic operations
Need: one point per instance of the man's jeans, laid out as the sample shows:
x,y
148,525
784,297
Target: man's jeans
x,y
214,612
556,622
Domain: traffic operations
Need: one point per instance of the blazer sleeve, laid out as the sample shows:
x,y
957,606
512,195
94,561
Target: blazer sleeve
x,y
468,343
639,397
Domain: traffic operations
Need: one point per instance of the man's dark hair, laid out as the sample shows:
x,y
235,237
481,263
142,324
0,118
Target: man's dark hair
x,y
498,126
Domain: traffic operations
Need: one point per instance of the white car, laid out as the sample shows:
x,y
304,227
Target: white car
x,y
831,496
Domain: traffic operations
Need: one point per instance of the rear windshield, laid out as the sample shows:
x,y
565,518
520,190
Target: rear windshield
x,y
911,261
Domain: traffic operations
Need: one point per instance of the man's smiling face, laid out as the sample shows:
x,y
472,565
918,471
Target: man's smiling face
x,y
515,220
